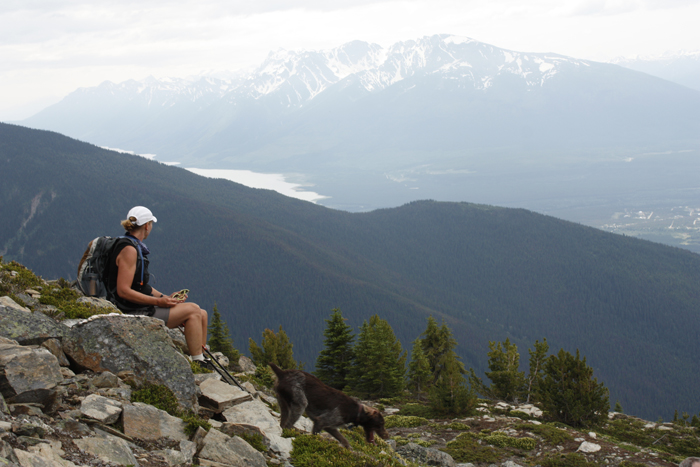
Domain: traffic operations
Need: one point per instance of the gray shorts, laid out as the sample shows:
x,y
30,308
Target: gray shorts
x,y
162,314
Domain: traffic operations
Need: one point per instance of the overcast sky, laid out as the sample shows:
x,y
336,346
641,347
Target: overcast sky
x,y
49,48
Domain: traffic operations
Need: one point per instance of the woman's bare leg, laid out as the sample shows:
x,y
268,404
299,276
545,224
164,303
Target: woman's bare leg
x,y
205,323
194,320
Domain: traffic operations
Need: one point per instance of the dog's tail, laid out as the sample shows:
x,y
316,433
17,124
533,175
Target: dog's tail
x,y
278,371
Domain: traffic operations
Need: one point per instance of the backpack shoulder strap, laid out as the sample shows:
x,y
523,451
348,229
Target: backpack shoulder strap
x,y
138,248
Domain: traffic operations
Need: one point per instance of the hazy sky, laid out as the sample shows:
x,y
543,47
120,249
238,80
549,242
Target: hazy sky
x,y
49,48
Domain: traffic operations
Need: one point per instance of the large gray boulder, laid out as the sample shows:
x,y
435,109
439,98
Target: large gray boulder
x,y
219,396
221,448
108,449
138,344
101,408
43,455
28,375
256,413
144,421
29,328
426,456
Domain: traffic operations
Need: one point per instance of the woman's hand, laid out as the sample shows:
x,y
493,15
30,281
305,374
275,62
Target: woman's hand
x,y
165,301
180,296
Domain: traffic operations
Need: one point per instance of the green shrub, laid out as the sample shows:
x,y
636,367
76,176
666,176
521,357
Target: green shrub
x,y
255,440
264,376
567,460
159,396
418,410
457,426
504,441
520,415
65,300
548,432
290,433
17,300
400,440
466,448
197,369
404,421
24,279
315,451
193,421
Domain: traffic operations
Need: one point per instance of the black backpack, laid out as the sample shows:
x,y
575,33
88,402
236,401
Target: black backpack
x,y
92,268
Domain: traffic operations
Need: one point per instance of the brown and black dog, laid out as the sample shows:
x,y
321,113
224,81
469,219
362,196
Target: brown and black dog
x,y
299,391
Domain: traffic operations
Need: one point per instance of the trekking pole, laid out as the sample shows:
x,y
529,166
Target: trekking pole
x,y
211,357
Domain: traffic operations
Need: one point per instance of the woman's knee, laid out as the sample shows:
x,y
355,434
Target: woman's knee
x,y
191,311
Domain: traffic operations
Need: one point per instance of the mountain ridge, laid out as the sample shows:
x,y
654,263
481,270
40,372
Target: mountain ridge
x,y
492,273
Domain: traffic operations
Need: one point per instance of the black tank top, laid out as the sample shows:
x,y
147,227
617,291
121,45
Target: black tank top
x,y
125,306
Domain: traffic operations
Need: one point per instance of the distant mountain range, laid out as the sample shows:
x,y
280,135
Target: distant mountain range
x,y
442,117
491,273
682,68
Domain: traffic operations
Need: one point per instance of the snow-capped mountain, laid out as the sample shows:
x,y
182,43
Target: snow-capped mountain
x,y
436,107
297,77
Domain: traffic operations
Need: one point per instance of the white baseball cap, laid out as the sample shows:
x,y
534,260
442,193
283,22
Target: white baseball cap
x,y
142,215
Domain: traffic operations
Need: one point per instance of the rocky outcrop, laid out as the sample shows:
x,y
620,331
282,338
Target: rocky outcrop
x,y
136,344
146,422
28,375
227,450
219,396
426,456
28,328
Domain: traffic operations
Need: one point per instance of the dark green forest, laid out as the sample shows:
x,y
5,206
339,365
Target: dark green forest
x,y
629,305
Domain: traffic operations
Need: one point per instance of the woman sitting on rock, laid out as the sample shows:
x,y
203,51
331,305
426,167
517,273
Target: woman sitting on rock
x,y
129,290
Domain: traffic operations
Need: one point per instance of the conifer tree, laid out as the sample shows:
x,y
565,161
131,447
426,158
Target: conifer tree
x,y
335,360
419,375
220,338
538,356
450,395
570,394
507,381
438,347
379,365
448,391
274,348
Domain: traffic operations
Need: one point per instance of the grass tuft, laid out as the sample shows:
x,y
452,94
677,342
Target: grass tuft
x,y
404,421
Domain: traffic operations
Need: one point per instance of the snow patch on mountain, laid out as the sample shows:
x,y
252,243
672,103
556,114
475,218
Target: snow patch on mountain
x,y
293,78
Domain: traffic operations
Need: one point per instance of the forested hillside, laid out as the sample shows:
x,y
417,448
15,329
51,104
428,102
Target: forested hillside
x,y
629,305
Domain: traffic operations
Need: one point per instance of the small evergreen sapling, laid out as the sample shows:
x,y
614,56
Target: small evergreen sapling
x,y
538,356
508,382
570,394
220,338
275,348
419,376
335,360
